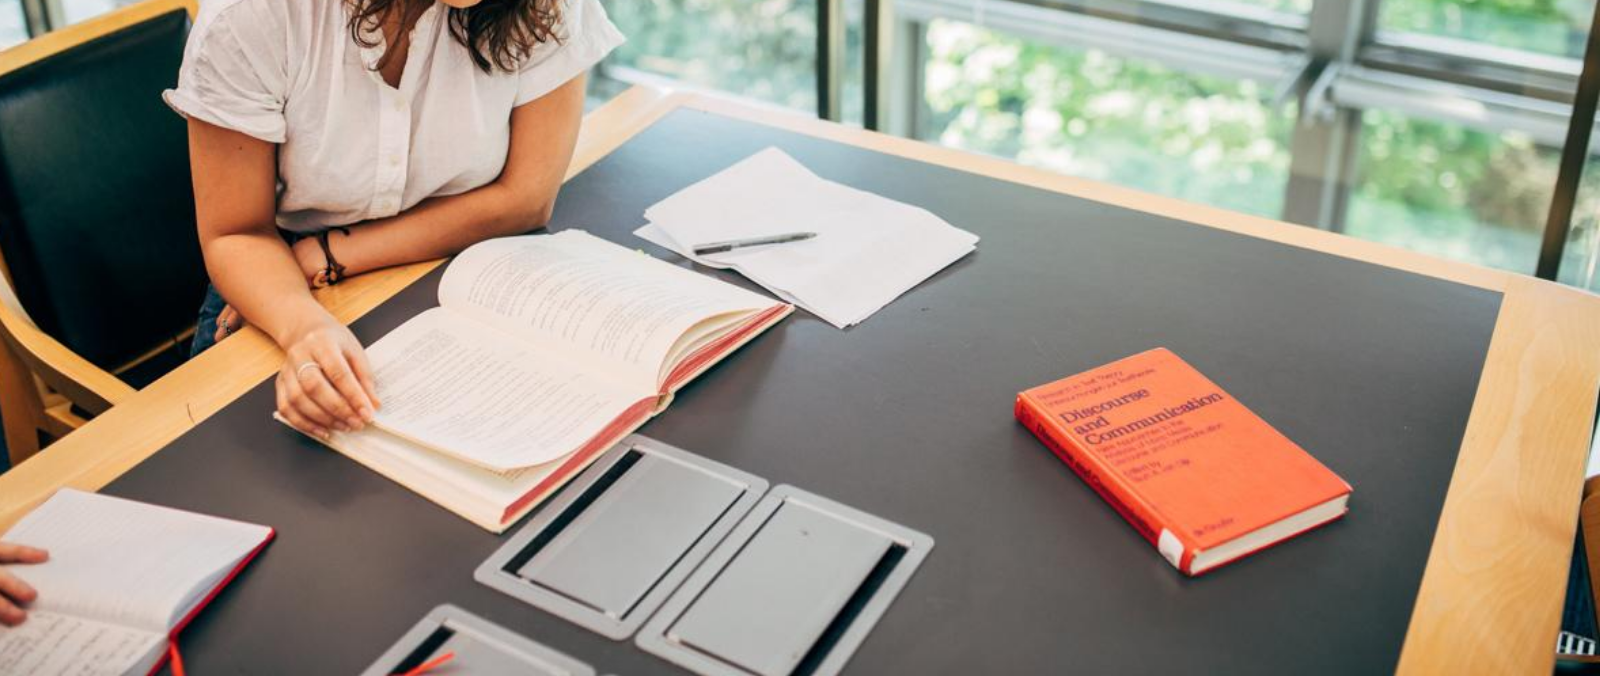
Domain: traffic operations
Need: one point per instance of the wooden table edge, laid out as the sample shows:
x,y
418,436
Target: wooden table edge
x,y
1490,599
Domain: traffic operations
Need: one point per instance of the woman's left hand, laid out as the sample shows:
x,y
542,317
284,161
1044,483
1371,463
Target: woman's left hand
x,y
229,321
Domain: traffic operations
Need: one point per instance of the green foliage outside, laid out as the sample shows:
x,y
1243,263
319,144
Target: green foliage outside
x,y
1089,114
763,49
1555,27
1431,186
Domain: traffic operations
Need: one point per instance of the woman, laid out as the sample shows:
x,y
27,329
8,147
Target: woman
x,y
332,137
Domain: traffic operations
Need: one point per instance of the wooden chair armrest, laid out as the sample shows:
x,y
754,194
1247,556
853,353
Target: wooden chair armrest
x,y
76,378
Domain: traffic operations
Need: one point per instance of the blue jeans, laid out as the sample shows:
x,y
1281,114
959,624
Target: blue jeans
x,y
205,330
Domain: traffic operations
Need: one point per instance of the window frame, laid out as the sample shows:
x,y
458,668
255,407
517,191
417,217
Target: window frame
x,y
1334,59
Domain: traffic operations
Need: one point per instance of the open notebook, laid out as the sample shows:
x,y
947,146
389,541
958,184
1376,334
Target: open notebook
x,y
123,579
544,351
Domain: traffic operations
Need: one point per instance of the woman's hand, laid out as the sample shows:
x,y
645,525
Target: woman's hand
x,y
229,321
14,593
308,253
325,383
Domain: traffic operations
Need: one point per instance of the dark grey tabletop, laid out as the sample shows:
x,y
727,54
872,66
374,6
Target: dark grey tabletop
x,y
908,416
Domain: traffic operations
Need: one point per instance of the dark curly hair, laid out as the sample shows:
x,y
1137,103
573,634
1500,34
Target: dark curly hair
x,y
498,33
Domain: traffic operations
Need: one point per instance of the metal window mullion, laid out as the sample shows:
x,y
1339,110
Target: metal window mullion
x,y
1573,155
36,16
877,42
1323,146
906,106
55,14
1184,51
1489,111
830,58
1258,27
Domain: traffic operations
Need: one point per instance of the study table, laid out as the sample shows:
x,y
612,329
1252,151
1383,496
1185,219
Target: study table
x,y
1457,400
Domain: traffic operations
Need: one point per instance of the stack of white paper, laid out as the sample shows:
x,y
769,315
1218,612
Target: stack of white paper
x,y
868,251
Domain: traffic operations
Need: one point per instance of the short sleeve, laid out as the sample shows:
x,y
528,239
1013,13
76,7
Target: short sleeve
x,y
234,73
587,35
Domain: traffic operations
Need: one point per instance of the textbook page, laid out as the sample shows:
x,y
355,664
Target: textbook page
x,y
472,492
477,393
615,305
125,562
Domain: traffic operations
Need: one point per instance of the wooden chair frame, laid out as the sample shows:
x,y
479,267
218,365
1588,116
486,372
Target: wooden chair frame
x,y
1589,525
40,378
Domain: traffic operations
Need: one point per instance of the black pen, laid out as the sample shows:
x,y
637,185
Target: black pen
x,y
719,247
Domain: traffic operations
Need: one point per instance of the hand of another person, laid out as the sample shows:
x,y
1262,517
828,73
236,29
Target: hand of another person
x,y
14,593
325,383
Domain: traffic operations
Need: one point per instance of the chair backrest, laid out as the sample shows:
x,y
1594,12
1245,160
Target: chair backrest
x,y
97,222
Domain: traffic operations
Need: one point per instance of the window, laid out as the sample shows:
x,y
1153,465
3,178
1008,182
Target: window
x,y
1580,264
1551,27
1429,124
1290,6
762,49
77,10
13,27
1088,113
1450,191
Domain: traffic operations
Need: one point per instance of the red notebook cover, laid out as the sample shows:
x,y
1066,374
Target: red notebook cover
x,y
1197,473
172,637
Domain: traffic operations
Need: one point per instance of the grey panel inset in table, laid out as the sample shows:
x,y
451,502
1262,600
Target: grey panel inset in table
x,y
772,602
479,647
618,548
795,588
606,552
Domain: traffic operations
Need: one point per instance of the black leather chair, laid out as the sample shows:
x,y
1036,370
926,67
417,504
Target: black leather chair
x,y
97,222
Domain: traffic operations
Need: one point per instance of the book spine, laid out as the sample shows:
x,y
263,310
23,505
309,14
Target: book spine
x,y
1088,467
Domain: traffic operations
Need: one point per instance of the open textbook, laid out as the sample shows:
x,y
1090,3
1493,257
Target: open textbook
x,y
123,579
544,351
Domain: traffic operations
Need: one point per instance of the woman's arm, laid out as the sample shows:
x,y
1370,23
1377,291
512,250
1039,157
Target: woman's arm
x,y
543,133
325,382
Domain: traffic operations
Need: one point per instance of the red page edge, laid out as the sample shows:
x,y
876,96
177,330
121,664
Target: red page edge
x,y
580,459
172,637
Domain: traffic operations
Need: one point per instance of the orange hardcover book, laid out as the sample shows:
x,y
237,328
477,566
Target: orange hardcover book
x,y
1193,470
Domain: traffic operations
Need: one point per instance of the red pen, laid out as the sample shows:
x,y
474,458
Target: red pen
x,y
430,665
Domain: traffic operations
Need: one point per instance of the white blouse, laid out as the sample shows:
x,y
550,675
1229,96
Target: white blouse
x,y
352,148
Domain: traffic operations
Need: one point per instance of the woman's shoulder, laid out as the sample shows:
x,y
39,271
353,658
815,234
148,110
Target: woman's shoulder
x,y
265,18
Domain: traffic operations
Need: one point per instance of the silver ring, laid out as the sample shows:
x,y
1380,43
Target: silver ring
x,y
299,372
